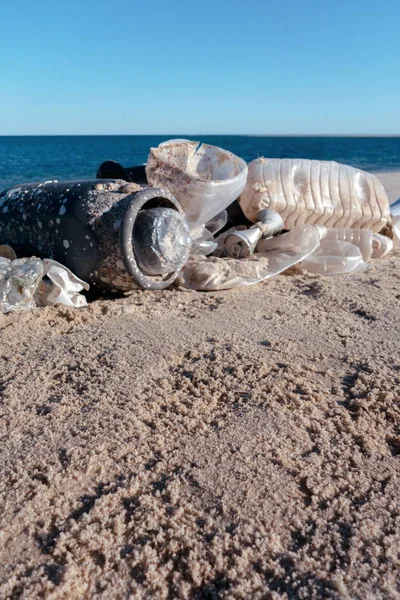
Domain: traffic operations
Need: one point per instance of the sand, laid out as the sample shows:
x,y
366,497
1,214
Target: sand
x,y
237,445
391,182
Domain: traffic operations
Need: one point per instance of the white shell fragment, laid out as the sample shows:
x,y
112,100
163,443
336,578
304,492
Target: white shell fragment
x,y
204,179
315,192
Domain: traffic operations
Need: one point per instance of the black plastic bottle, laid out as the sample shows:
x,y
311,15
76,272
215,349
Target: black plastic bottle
x,y
89,227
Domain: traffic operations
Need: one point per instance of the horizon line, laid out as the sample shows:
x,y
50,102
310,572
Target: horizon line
x,y
271,135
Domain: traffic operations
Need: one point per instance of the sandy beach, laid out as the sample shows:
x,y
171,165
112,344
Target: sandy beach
x,y
184,445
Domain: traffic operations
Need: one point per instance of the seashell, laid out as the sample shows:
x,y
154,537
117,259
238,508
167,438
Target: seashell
x,y
315,192
204,179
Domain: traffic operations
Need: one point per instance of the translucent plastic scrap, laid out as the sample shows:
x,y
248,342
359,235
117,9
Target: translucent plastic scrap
x,y
372,245
204,245
161,240
214,273
286,250
335,258
19,280
204,179
396,231
62,286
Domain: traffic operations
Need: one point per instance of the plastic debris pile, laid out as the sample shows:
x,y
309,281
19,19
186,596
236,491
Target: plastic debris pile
x,y
196,216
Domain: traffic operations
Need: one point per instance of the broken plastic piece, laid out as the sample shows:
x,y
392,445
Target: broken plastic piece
x,y
335,258
286,250
396,231
243,244
19,280
218,222
63,288
204,179
214,273
371,245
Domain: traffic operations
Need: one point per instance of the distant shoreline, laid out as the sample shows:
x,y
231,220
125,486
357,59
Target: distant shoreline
x,y
176,135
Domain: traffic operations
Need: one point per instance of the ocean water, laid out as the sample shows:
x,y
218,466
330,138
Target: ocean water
x,y
40,158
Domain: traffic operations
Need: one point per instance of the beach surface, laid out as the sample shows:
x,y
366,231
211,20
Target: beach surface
x,y
391,182
239,444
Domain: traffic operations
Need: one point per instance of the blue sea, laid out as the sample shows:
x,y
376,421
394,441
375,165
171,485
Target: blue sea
x,y
39,158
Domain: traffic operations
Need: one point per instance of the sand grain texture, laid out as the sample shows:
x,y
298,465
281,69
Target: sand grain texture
x,y
241,444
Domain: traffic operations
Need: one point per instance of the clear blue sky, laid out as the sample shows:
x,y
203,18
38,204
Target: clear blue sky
x,y
209,66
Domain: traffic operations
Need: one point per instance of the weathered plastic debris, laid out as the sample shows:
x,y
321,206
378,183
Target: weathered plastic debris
x,y
204,179
273,256
334,257
214,273
94,228
60,286
395,212
396,231
372,245
242,244
19,280
315,192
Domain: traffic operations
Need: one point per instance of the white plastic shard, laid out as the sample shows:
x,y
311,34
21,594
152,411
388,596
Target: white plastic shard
x,y
204,179
315,192
19,280
335,257
64,288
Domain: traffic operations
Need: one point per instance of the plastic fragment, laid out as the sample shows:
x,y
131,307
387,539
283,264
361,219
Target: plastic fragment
x,y
334,257
371,245
19,280
214,273
63,288
396,231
